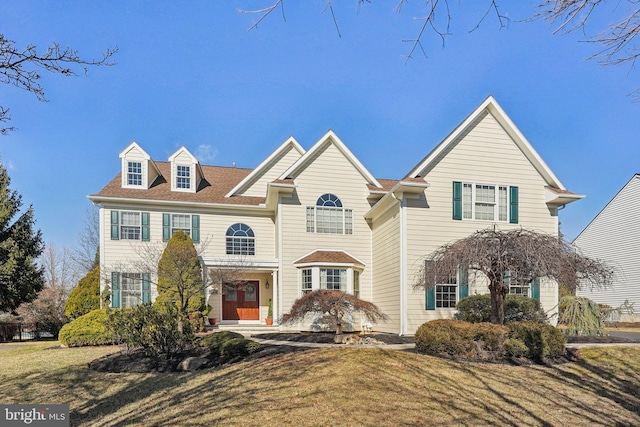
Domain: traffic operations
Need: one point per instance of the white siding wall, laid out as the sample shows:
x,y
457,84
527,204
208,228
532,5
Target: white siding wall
x,y
330,172
614,237
386,268
485,155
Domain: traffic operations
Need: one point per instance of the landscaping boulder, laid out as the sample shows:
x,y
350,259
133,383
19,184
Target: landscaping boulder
x,y
192,363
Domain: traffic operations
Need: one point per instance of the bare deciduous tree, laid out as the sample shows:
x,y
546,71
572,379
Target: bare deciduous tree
x,y
19,67
522,255
58,270
334,305
85,253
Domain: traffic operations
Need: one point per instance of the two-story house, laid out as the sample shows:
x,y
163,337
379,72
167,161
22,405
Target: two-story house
x,y
317,218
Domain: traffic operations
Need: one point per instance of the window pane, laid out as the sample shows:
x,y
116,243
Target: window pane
x,y
183,174
356,284
502,204
130,225
484,211
131,284
329,220
311,227
446,291
467,201
181,222
306,281
348,221
333,279
134,173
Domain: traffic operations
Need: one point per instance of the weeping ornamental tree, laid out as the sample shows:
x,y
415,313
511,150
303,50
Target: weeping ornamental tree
x,y
180,277
334,306
521,255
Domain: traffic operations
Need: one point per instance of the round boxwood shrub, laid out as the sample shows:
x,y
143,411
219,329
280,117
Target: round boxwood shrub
x,y
480,341
215,341
517,308
542,340
88,329
238,347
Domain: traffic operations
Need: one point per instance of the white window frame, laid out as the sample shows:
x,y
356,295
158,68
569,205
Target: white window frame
x,y
443,288
131,226
242,241
500,205
174,228
315,274
133,177
516,288
183,183
338,218
133,281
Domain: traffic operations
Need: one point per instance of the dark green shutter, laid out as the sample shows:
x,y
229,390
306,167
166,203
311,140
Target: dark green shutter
x,y
463,287
146,289
115,225
145,226
430,303
195,228
115,290
513,205
457,200
535,288
166,227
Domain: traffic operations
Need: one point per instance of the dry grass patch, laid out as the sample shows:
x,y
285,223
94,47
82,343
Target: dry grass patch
x,y
332,386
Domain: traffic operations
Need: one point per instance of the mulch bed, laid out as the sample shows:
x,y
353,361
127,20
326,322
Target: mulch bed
x,y
327,337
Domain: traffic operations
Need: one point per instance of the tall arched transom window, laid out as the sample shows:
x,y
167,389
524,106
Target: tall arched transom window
x,y
240,240
329,216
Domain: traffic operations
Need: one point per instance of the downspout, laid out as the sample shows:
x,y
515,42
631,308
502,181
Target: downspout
x,y
279,307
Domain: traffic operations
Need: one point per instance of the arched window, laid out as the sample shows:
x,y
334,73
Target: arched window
x,y
328,216
240,240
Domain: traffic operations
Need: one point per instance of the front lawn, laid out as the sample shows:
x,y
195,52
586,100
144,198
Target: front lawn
x,y
330,386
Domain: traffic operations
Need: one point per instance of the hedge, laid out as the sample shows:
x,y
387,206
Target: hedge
x,y
215,341
487,341
517,308
86,296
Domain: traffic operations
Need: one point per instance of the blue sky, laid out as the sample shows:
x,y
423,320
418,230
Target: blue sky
x,y
189,73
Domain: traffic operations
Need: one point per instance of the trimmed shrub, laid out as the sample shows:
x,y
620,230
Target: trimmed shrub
x,y
517,308
238,347
89,329
541,340
86,296
516,348
151,328
474,308
461,339
215,341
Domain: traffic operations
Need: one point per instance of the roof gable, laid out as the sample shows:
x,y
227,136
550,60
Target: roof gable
x,y
330,138
488,106
277,162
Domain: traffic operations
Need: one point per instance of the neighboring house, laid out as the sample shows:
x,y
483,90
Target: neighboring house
x,y
304,220
614,237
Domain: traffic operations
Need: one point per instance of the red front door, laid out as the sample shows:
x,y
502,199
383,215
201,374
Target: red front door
x,y
241,301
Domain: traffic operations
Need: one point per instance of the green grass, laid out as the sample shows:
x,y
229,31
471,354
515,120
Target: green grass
x,y
330,386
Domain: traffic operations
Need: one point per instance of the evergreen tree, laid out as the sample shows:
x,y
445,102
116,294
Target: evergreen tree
x,y
20,244
180,277
86,296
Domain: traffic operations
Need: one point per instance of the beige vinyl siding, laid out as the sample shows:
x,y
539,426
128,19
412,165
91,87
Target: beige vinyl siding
x,y
131,255
614,237
149,173
258,187
484,155
386,268
330,172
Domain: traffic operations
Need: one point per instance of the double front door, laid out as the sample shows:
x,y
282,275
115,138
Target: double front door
x,y
241,301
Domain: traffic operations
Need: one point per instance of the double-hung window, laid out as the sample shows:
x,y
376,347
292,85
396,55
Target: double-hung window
x,y
307,281
485,202
329,216
183,177
134,173
240,240
518,286
129,225
189,224
334,279
129,289
448,290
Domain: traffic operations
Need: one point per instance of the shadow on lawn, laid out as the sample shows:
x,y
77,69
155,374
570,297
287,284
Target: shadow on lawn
x,y
357,386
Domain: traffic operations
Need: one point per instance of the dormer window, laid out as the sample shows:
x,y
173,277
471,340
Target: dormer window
x,y
134,173
183,177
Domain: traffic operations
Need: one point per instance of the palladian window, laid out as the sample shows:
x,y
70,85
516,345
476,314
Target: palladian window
x,y
329,216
